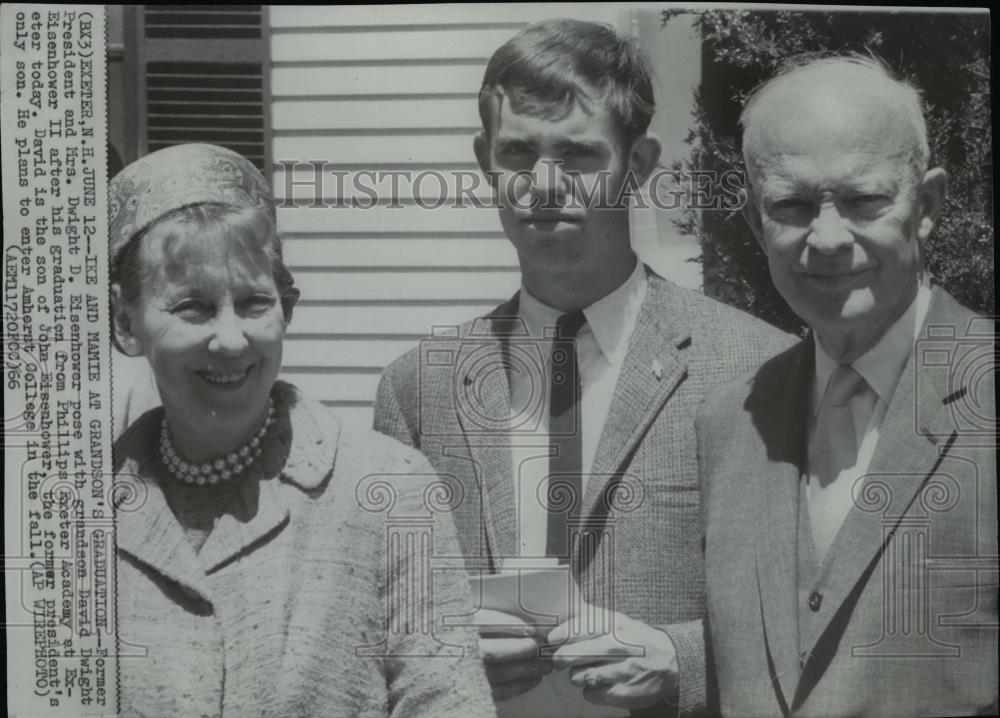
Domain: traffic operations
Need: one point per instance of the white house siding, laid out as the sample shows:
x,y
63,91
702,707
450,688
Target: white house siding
x,y
392,88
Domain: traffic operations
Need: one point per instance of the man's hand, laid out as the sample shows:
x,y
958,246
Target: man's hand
x,y
509,649
617,661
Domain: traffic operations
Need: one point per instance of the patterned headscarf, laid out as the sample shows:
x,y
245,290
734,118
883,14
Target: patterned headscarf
x,y
176,177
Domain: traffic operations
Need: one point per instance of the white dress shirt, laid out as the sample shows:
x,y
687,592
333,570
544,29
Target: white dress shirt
x,y
602,344
881,367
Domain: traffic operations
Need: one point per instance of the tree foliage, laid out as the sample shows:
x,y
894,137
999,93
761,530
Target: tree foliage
x,y
946,55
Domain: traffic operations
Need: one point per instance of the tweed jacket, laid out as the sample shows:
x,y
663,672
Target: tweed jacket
x,y
300,609
902,621
449,398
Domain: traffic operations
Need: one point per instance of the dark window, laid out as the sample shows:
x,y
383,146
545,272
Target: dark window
x,y
202,74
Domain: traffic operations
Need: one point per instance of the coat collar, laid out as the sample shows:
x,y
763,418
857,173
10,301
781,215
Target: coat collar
x,y
299,451
306,439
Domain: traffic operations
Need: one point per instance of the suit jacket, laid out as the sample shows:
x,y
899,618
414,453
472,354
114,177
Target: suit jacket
x,y
450,397
905,618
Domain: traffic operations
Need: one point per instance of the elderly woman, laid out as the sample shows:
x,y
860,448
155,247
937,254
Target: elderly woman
x,y
255,575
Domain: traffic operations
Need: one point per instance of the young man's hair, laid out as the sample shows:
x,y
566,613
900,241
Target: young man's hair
x,y
549,66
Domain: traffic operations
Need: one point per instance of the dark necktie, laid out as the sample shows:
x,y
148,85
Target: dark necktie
x,y
566,435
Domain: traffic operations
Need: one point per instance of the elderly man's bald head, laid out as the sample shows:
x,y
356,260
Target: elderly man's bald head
x,y
850,95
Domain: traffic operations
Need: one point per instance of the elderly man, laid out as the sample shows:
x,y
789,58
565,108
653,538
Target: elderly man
x,y
590,376
849,483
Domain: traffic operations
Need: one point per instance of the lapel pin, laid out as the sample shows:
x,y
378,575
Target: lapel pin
x,y
657,370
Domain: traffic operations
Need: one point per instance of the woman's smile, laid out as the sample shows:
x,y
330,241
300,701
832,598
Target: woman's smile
x,y
232,379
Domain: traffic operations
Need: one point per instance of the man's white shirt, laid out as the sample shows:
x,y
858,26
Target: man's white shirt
x,y
602,345
881,367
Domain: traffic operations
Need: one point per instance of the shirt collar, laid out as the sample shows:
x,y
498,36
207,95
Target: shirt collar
x,y
609,319
882,365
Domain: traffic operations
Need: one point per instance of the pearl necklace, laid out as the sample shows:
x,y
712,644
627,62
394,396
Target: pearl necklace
x,y
221,469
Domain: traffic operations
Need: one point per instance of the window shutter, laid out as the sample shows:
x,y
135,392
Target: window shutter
x,y
204,77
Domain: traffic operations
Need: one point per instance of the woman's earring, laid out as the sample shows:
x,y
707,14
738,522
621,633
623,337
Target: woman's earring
x,y
132,346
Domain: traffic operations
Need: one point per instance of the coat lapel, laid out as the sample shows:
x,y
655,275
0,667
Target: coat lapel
x,y
915,435
300,450
264,511
482,405
653,367
778,405
147,530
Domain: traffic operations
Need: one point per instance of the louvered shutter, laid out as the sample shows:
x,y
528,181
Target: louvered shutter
x,y
204,77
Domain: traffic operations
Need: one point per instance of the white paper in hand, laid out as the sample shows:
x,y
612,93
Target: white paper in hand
x,y
544,598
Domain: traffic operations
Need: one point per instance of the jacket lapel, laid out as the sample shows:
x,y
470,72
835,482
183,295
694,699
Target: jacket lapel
x,y
147,530
264,511
482,405
915,435
778,405
299,454
653,367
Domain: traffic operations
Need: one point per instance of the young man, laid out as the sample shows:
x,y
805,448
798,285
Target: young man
x,y
871,586
566,415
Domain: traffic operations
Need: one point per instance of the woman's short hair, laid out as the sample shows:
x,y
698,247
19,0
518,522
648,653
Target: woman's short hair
x,y
212,224
189,191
